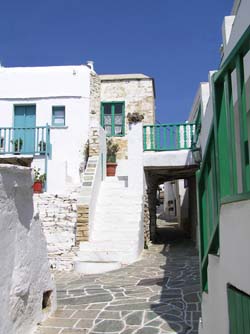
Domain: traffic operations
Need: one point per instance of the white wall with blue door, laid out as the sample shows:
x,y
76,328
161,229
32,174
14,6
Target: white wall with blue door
x,y
58,96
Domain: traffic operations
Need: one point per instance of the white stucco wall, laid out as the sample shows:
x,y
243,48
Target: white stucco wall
x,y
231,267
169,195
240,24
136,183
135,158
203,97
168,158
24,275
46,87
227,28
99,176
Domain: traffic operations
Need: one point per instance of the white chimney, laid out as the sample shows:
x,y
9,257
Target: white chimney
x,y
90,64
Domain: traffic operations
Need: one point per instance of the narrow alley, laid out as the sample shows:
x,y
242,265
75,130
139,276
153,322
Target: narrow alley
x,y
159,294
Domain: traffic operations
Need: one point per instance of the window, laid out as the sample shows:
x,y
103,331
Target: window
x,y
58,116
112,118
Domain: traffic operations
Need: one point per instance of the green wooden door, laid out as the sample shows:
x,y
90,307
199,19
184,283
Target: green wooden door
x,y
239,311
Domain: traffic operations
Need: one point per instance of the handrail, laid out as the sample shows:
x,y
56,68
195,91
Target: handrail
x,y
25,140
168,137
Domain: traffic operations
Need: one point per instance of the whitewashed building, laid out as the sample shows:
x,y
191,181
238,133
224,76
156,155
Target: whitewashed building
x,y
222,107
59,118
44,113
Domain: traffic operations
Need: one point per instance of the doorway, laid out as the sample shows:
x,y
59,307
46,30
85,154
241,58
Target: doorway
x,y
24,132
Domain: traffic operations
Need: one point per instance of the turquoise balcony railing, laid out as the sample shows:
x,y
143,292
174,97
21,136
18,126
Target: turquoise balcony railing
x,y
32,140
168,137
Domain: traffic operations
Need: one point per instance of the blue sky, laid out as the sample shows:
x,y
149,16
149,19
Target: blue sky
x,y
174,41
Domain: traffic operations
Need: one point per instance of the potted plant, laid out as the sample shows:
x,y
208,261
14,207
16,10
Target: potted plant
x,y
1,144
39,180
42,146
112,149
18,144
134,117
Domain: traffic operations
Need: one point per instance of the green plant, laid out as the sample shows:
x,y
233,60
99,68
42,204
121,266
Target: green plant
x,y
18,144
42,146
38,177
112,149
134,117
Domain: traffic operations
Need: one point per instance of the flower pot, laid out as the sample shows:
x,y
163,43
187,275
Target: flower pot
x,y
111,168
38,187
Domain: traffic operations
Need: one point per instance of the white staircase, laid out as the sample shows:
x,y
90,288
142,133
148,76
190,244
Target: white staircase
x,y
116,235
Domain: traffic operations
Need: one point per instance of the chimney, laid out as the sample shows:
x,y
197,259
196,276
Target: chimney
x,y
90,64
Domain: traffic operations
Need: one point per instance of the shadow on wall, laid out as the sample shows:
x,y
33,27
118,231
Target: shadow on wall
x,y
179,303
21,193
25,278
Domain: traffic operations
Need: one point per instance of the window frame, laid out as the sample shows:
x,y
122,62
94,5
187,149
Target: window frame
x,y
54,117
113,103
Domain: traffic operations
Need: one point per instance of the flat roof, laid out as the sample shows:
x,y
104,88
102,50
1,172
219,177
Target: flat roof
x,y
133,76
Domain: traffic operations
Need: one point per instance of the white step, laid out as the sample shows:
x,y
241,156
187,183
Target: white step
x,y
89,268
130,213
106,245
114,235
105,256
113,227
113,195
133,227
116,216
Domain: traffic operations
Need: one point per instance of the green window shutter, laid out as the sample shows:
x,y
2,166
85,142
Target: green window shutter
x,y
113,118
238,311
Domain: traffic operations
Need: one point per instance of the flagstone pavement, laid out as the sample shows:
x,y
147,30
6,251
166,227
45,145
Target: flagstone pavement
x,y
159,294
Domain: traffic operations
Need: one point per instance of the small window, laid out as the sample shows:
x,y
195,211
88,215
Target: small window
x,y
58,116
112,118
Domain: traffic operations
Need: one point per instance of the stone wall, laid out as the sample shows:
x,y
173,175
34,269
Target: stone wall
x,y
138,95
146,222
82,233
58,215
95,91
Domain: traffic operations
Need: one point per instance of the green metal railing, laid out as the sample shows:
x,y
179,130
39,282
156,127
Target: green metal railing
x,y
30,140
168,137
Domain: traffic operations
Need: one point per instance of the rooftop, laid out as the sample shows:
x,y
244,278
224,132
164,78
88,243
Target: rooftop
x,y
134,76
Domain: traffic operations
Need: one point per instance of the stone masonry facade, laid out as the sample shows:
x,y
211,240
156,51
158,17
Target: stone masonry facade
x,y
146,222
58,215
95,91
82,233
137,91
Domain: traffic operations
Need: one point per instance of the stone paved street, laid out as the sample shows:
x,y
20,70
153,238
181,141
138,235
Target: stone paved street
x,y
157,295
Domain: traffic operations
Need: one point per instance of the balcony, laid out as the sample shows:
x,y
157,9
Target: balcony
x,y
25,141
168,137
